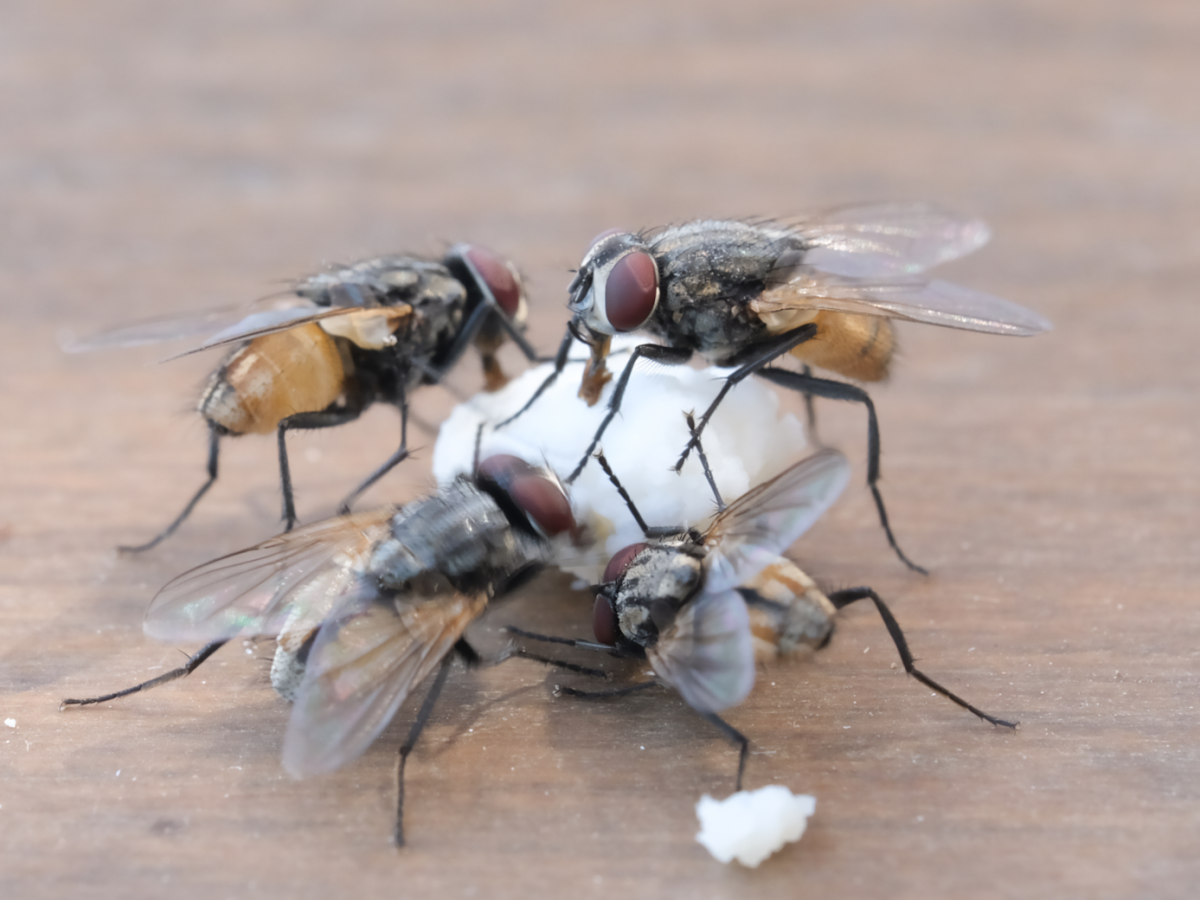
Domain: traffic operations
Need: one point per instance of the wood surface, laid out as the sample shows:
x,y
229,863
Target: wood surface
x,y
161,158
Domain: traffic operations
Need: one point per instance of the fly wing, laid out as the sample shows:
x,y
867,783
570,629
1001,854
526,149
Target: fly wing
x,y
707,654
158,331
218,327
272,321
887,238
362,667
801,288
750,533
300,575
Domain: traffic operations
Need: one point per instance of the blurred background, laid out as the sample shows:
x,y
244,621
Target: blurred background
x,y
162,157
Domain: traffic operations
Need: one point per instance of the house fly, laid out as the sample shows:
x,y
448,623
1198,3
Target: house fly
x,y
365,606
745,293
704,607
372,331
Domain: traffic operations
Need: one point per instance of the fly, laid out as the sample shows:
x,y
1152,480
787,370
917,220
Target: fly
x,y
745,293
364,607
366,333
704,607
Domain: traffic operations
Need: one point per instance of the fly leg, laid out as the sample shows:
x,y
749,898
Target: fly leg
x,y
585,645
748,364
737,737
732,733
193,662
470,329
214,443
668,356
488,312
842,599
810,411
328,418
648,530
560,362
604,695
467,653
712,482
413,734
392,461
840,390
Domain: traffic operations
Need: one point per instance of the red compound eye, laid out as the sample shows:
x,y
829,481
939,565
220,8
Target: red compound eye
x,y
544,502
604,621
503,467
620,561
631,291
499,276
539,497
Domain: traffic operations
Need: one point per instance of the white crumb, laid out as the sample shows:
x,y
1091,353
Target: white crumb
x,y
11,723
747,442
751,825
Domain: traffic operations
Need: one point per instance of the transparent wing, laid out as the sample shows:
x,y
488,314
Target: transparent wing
x,y
362,667
887,238
177,327
801,288
298,576
270,322
750,533
222,327
707,653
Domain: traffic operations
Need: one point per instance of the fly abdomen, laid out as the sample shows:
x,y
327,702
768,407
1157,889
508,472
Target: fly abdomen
x,y
273,377
788,612
854,346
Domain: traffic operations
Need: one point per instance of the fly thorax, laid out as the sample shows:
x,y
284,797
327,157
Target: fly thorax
x,y
461,533
653,589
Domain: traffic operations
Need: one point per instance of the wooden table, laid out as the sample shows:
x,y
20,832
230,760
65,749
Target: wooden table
x,y
163,158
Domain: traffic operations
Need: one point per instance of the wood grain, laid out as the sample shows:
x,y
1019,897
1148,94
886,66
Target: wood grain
x,y
161,157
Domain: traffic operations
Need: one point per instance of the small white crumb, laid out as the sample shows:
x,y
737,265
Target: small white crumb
x,y
11,723
751,825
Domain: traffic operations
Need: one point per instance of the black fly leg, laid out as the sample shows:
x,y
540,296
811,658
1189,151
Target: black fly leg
x,y
737,737
648,530
560,362
747,365
605,695
712,482
214,443
669,356
478,318
810,411
193,662
840,390
329,418
842,599
732,733
392,461
569,642
468,655
411,741
557,663
585,645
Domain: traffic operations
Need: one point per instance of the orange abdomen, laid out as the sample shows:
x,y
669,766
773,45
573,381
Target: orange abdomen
x,y
273,377
858,347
